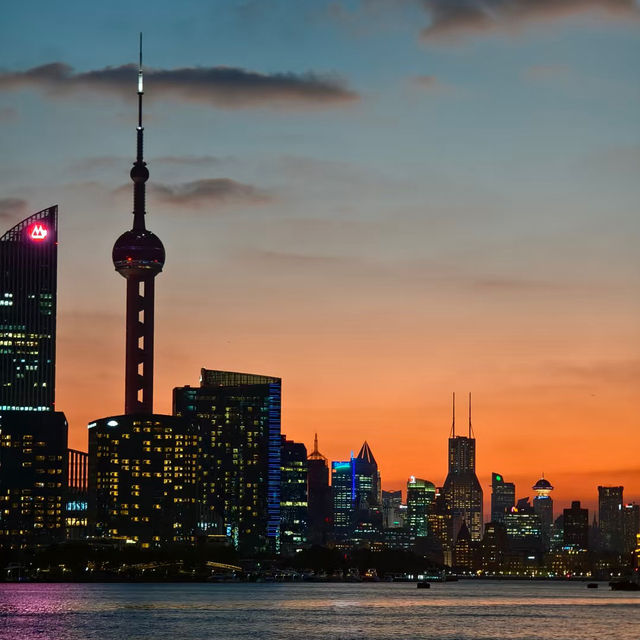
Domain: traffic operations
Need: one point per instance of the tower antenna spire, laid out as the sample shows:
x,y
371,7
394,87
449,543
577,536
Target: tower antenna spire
x,y
139,172
453,423
470,427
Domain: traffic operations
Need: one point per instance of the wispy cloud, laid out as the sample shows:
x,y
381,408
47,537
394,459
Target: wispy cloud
x,y
224,87
211,192
546,72
8,114
458,17
12,208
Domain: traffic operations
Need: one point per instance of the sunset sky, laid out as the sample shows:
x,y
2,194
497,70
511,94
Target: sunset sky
x,y
379,201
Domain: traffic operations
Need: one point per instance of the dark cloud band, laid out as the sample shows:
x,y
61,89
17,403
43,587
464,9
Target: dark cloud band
x,y
225,87
454,17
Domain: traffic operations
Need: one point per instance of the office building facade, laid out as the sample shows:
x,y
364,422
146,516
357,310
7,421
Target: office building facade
x,y
420,496
238,418
503,497
293,497
610,518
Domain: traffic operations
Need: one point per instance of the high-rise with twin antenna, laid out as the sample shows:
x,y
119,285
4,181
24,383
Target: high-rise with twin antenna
x,y
462,488
138,255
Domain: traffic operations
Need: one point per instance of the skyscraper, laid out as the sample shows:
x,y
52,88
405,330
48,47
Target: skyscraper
x,y
630,526
575,523
524,528
367,498
318,496
342,491
503,497
33,437
238,418
461,487
28,289
543,506
356,491
293,497
420,496
393,511
610,518
142,466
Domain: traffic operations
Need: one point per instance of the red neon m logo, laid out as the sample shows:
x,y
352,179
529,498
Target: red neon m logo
x,y
38,232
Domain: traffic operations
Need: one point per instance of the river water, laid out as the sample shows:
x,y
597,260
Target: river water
x,y
465,610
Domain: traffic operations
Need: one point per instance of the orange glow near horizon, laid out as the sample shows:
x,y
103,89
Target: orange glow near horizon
x,y
555,421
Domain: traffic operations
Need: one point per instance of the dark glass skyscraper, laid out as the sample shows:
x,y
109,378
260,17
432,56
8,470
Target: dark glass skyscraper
x,y
420,497
462,488
33,437
28,287
610,518
503,497
238,417
575,522
293,497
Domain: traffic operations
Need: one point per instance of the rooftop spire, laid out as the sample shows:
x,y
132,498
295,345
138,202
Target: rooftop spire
x,y
139,173
470,427
315,454
453,423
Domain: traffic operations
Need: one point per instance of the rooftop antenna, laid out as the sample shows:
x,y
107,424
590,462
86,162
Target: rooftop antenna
x,y
139,173
315,443
470,427
453,424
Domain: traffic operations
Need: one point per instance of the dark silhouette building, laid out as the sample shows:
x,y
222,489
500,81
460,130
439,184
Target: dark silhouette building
x,y
293,497
630,526
610,518
238,421
33,436
394,512
142,466
493,548
318,496
575,523
503,497
461,487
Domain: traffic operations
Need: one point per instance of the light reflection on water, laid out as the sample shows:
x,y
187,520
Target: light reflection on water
x,y
452,611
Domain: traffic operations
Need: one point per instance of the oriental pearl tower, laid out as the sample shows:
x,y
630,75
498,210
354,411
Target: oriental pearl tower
x,y
138,255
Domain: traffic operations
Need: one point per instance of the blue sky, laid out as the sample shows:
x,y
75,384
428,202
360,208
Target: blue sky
x,y
473,185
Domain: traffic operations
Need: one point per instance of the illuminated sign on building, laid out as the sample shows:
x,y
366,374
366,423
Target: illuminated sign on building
x,y
38,232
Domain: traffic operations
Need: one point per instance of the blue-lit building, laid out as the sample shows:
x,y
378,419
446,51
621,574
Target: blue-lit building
x,y
238,419
343,484
357,497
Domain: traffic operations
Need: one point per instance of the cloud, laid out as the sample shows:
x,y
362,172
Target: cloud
x,y
7,114
429,83
12,208
456,17
96,163
224,87
546,71
208,192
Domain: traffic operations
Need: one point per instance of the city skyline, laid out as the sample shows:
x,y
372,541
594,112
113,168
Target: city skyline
x,y
516,312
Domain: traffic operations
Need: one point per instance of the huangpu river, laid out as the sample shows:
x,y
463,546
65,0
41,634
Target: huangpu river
x,y
465,610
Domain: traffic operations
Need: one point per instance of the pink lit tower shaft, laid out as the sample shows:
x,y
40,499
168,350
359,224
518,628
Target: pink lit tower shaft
x,y
138,255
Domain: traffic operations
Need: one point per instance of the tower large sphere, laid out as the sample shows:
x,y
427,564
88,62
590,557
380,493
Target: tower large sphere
x,y
138,252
